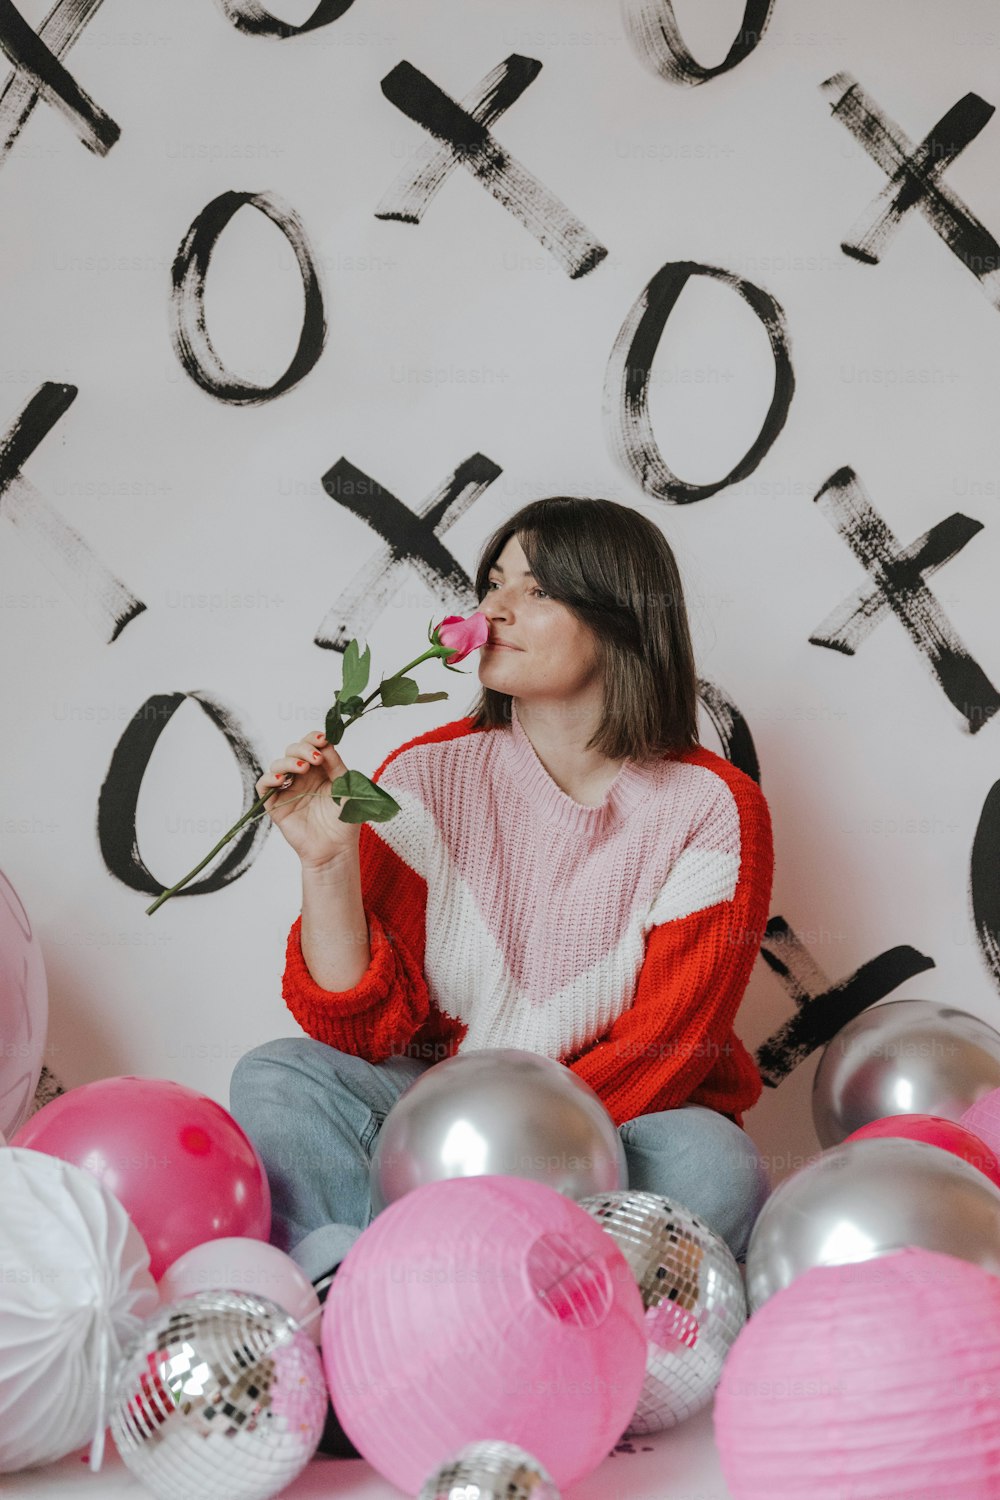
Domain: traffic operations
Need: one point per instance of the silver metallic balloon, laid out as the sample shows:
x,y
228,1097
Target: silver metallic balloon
x,y
868,1198
490,1471
498,1110
219,1395
693,1294
906,1057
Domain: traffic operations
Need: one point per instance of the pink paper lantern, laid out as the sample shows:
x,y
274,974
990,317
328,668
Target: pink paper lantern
x,y
481,1308
949,1135
983,1119
179,1164
878,1379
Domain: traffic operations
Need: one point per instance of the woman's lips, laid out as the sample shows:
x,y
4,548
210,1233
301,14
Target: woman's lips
x,y
501,646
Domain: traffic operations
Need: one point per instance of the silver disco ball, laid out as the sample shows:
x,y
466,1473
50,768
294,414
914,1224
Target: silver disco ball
x,y
219,1396
490,1471
693,1294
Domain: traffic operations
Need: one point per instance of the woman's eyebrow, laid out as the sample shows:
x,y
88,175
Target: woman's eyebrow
x,y
496,568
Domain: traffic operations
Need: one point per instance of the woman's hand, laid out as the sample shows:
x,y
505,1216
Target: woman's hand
x,y
311,823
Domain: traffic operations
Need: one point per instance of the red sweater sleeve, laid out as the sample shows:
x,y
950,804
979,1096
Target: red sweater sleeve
x,y
676,1045
380,1015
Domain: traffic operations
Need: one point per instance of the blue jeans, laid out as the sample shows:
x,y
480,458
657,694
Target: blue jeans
x,y
314,1113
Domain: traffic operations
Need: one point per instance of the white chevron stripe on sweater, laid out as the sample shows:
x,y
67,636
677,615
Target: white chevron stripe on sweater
x,y
465,967
699,878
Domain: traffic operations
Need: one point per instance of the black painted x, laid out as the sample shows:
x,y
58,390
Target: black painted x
x,y
410,538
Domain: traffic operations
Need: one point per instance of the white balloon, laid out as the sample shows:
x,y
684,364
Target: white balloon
x,y
243,1265
74,1287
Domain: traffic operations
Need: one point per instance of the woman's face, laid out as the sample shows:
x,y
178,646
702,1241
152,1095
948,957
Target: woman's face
x,y
555,655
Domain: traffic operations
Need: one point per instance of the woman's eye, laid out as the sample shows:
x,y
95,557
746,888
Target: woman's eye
x,y
540,592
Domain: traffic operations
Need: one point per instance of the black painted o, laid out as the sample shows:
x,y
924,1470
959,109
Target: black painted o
x,y
255,19
731,727
188,332
626,384
119,799
653,30
984,888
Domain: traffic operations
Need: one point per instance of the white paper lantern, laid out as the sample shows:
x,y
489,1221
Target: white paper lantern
x,y
74,1286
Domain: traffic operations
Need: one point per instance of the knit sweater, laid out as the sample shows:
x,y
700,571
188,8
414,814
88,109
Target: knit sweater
x,y
617,939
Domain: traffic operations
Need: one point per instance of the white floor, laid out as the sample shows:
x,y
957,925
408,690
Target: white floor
x,y
681,1464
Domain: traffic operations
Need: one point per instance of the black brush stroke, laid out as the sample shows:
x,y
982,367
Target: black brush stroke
x,y
901,589
984,881
652,27
64,552
626,384
473,147
911,181
256,20
410,539
19,94
33,60
846,627
188,332
119,798
731,727
431,164
34,423
914,174
821,1013
367,595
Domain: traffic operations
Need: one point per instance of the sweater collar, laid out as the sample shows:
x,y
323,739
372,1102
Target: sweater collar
x,y
551,805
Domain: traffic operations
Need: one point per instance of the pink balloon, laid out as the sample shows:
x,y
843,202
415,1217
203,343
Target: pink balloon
x,y
936,1131
983,1119
243,1265
24,1009
178,1163
478,1307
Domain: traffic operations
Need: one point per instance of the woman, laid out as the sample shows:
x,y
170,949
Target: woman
x,y
569,873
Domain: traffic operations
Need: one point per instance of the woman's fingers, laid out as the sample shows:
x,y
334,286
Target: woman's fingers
x,y
303,755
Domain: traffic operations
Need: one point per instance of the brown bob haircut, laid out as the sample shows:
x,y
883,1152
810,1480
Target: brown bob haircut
x,y
617,573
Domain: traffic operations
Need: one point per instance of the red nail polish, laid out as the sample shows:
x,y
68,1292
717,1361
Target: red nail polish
x,y
300,762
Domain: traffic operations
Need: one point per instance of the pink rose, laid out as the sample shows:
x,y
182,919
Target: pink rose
x,y
460,636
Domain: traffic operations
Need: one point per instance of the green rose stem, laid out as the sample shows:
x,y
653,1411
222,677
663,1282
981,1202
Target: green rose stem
x,y
258,806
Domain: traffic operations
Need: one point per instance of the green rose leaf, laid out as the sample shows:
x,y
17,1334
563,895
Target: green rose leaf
x,y
364,801
396,690
356,670
334,726
359,800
